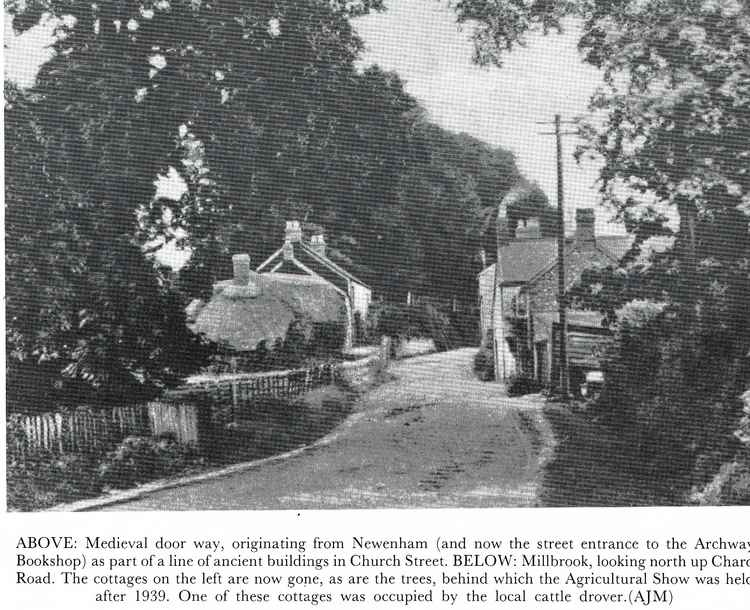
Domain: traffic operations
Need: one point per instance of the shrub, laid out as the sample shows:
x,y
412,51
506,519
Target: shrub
x,y
404,322
138,459
484,364
39,480
464,325
518,385
671,389
327,338
303,343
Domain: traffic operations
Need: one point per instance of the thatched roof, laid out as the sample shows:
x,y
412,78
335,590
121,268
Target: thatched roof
x,y
241,317
312,297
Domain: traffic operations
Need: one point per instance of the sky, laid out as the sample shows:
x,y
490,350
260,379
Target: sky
x,y
23,55
420,40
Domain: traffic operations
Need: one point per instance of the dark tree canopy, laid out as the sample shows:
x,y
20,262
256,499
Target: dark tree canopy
x,y
262,111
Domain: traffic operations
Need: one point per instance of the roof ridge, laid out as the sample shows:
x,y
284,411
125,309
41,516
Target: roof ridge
x,y
327,261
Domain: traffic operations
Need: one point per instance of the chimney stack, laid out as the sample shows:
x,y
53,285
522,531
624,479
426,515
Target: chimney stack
x,y
293,231
318,244
585,221
241,266
246,281
503,228
530,228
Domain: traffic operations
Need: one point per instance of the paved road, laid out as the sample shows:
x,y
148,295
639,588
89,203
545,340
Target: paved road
x,y
433,436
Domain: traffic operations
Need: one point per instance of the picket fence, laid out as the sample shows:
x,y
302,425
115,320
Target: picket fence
x,y
82,430
242,389
177,414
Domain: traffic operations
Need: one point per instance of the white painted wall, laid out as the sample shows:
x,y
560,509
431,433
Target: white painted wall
x,y
361,297
504,360
486,280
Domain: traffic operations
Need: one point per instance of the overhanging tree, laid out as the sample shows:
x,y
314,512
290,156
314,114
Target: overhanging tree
x,y
670,123
88,314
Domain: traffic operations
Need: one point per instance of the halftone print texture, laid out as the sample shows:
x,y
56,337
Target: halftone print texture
x,y
332,254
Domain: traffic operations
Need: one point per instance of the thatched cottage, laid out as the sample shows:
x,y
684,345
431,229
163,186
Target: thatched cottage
x,y
257,308
309,258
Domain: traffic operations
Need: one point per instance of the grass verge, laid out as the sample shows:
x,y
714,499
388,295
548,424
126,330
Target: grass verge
x,y
593,465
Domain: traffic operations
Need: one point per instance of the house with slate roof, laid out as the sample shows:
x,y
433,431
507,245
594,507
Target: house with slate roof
x,y
300,257
518,294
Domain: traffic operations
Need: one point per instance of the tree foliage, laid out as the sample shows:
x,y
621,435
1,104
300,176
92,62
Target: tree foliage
x,y
261,110
89,318
672,113
670,124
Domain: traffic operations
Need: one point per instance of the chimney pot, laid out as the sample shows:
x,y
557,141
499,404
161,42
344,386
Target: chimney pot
x,y
318,244
293,231
585,221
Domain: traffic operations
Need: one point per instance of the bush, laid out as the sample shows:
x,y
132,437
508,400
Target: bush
x,y
305,342
40,480
671,389
327,338
138,459
484,364
518,385
404,322
464,325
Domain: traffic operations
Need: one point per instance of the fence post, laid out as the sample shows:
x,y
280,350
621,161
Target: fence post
x,y
234,399
58,425
385,347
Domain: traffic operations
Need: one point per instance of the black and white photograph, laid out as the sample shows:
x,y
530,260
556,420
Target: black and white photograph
x,y
269,255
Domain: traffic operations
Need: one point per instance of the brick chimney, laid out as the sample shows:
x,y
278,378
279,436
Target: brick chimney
x,y
530,228
318,244
503,225
241,266
293,231
247,282
585,221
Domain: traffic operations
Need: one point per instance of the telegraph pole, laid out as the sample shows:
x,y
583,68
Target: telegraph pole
x,y
561,292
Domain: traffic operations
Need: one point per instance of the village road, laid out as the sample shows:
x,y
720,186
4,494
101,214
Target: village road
x,y
434,436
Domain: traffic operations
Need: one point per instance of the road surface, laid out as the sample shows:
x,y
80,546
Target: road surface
x,y
433,436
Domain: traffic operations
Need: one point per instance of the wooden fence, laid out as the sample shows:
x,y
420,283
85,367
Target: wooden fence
x,y
82,430
241,390
177,414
